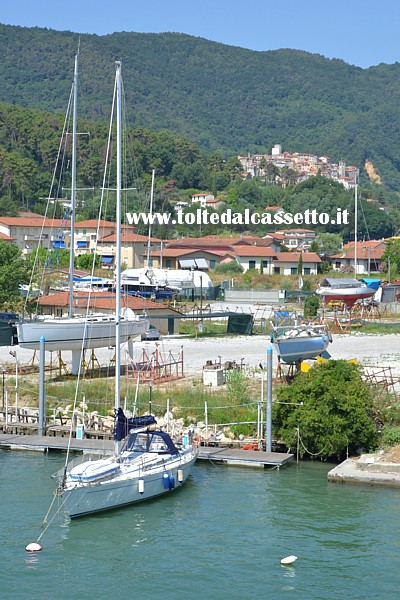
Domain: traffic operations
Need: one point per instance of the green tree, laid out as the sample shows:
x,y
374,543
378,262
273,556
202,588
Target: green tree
x,y
300,264
85,261
13,272
327,243
311,306
328,410
392,256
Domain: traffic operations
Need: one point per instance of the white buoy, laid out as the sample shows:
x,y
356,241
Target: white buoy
x,y
141,486
289,560
33,547
180,475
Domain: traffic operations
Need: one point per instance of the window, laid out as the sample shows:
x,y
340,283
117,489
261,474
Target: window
x,y
293,270
168,263
252,264
277,270
307,271
265,264
212,263
59,312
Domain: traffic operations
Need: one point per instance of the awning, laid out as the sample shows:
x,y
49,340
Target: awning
x,y
59,245
187,263
201,263
107,259
82,244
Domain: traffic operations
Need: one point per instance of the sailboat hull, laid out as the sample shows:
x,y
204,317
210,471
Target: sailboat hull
x,y
295,343
76,333
292,350
127,488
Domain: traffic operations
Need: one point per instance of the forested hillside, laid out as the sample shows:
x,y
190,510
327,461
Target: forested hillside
x,y
216,96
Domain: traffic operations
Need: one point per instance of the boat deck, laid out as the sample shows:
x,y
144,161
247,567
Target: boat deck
x,y
226,456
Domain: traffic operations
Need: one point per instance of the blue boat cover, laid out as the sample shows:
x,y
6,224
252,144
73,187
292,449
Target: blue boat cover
x,y
151,443
372,283
123,425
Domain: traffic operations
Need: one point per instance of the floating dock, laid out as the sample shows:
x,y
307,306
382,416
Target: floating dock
x,y
223,455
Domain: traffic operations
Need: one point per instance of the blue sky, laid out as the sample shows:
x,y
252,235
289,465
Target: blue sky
x,y
361,32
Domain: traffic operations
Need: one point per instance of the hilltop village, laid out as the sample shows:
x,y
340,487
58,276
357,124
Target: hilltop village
x,y
296,167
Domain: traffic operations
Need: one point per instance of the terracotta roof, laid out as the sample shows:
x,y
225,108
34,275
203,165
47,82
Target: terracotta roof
x,y
102,224
6,238
367,244
32,222
255,251
253,241
132,238
172,252
77,272
362,253
275,236
294,231
176,252
98,301
294,257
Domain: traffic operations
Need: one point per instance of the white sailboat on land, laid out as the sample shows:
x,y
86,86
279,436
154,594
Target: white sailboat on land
x,y
76,332
147,464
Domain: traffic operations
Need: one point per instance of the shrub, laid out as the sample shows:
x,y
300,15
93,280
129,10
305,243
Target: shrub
x,y
229,268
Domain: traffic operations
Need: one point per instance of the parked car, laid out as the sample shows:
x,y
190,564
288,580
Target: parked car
x,y
152,333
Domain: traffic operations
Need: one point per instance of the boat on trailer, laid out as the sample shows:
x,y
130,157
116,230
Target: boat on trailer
x,y
347,290
295,339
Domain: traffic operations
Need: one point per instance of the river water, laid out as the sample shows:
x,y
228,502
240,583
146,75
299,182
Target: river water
x,y
221,536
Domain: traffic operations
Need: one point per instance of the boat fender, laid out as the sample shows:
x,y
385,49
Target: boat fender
x,y
288,560
166,480
180,475
141,486
171,482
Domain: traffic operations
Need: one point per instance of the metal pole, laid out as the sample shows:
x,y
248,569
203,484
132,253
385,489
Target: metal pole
x,y
206,419
355,225
16,388
117,400
6,408
3,386
268,422
150,399
151,216
168,415
73,193
201,303
42,396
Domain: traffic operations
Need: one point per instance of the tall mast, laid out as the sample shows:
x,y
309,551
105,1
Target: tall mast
x,y
355,224
73,191
151,216
118,253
